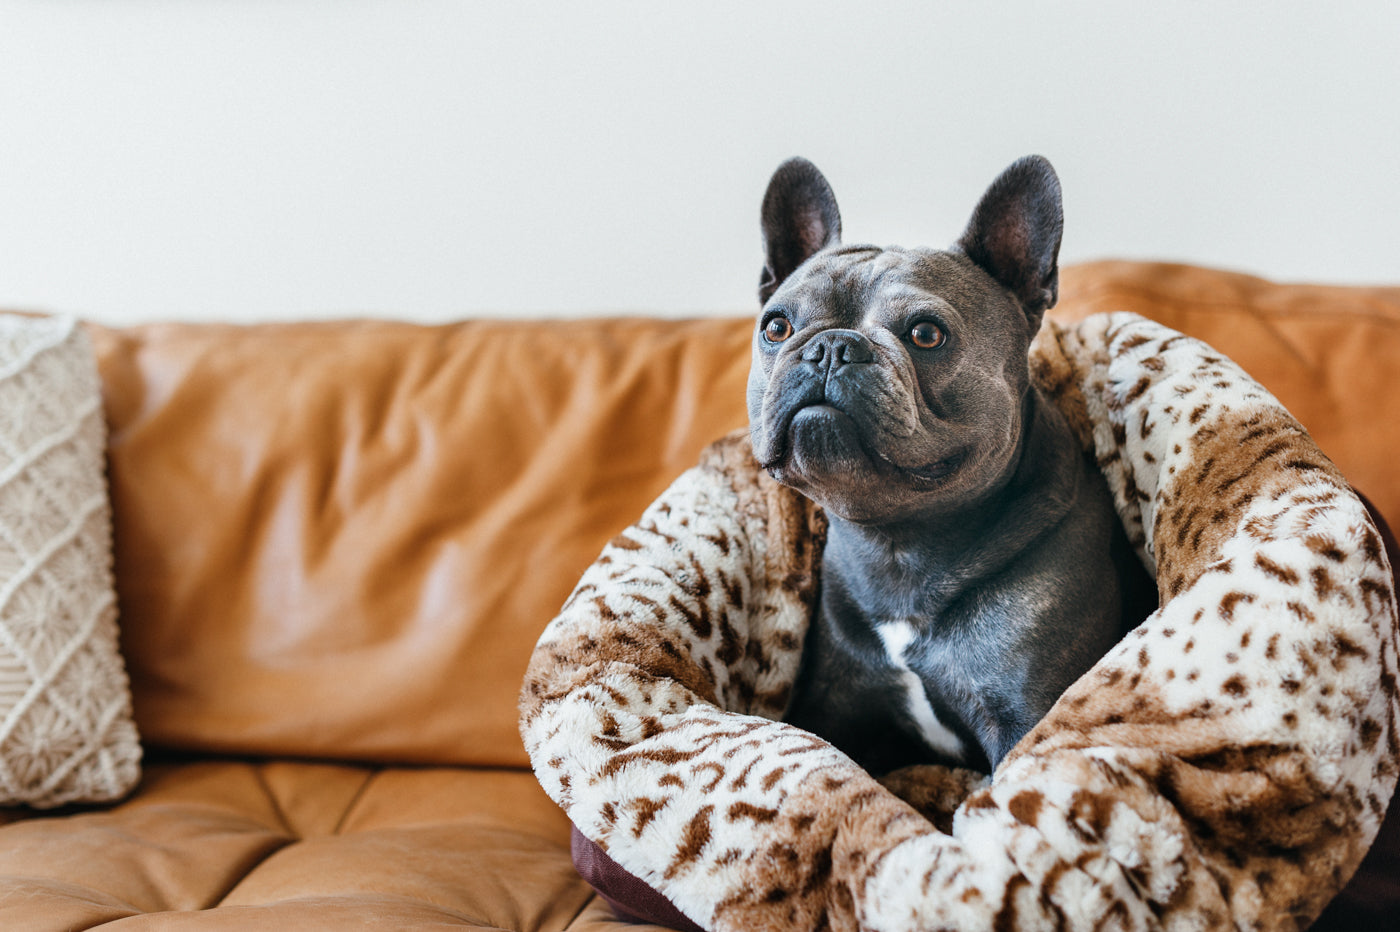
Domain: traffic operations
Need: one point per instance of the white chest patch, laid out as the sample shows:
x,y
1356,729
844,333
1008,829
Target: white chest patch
x,y
896,636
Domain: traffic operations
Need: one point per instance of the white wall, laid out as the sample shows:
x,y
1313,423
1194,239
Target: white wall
x,y
288,158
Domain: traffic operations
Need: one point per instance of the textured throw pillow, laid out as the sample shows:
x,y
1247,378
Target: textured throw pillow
x,y
66,730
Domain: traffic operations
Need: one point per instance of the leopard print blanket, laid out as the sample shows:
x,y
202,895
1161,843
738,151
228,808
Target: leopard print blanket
x,y
1227,764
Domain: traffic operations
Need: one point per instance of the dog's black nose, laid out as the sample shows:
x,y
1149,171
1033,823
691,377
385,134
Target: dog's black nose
x,y
832,349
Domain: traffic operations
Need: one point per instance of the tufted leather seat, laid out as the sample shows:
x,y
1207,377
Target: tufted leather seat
x,y
296,845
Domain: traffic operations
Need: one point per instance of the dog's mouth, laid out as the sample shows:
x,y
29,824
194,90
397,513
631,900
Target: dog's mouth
x,y
930,474
923,475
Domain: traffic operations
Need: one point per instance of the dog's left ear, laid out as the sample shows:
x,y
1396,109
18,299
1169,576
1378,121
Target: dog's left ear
x,y
1015,233
799,219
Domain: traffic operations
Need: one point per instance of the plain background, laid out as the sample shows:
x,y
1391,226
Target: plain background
x,y
254,159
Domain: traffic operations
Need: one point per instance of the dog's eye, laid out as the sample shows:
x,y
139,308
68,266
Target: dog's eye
x,y
777,329
926,335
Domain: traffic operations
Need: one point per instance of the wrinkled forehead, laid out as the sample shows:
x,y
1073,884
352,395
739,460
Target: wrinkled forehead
x,y
864,273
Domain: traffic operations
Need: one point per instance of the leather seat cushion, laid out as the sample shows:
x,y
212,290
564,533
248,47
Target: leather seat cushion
x,y
288,845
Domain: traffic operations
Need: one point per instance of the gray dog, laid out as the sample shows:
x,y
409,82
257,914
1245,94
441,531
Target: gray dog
x,y
971,571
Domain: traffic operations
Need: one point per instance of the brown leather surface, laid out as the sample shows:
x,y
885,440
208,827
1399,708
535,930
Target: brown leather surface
x,y
301,846
342,540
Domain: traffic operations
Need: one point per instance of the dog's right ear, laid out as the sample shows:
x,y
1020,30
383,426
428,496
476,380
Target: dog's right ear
x,y
799,219
1015,234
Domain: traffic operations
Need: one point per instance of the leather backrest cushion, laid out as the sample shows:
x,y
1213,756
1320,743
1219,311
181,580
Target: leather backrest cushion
x,y
343,539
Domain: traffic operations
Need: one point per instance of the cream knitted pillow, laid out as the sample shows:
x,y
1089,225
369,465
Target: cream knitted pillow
x,y
66,730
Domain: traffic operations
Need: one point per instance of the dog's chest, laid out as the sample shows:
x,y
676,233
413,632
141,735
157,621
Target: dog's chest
x,y
896,636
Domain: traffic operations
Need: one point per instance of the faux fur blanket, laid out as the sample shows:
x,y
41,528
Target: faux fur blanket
x,y
1227,763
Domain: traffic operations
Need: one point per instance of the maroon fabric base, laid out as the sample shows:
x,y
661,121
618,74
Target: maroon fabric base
x,y
632,898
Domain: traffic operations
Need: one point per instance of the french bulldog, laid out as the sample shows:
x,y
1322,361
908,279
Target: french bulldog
x,y
971,570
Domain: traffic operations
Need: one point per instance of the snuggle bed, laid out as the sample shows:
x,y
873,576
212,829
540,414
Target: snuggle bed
x,y
1228,763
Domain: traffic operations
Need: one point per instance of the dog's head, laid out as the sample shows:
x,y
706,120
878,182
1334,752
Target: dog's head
x,y
889,384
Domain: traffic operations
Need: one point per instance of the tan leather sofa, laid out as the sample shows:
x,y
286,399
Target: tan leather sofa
x,y
336,544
